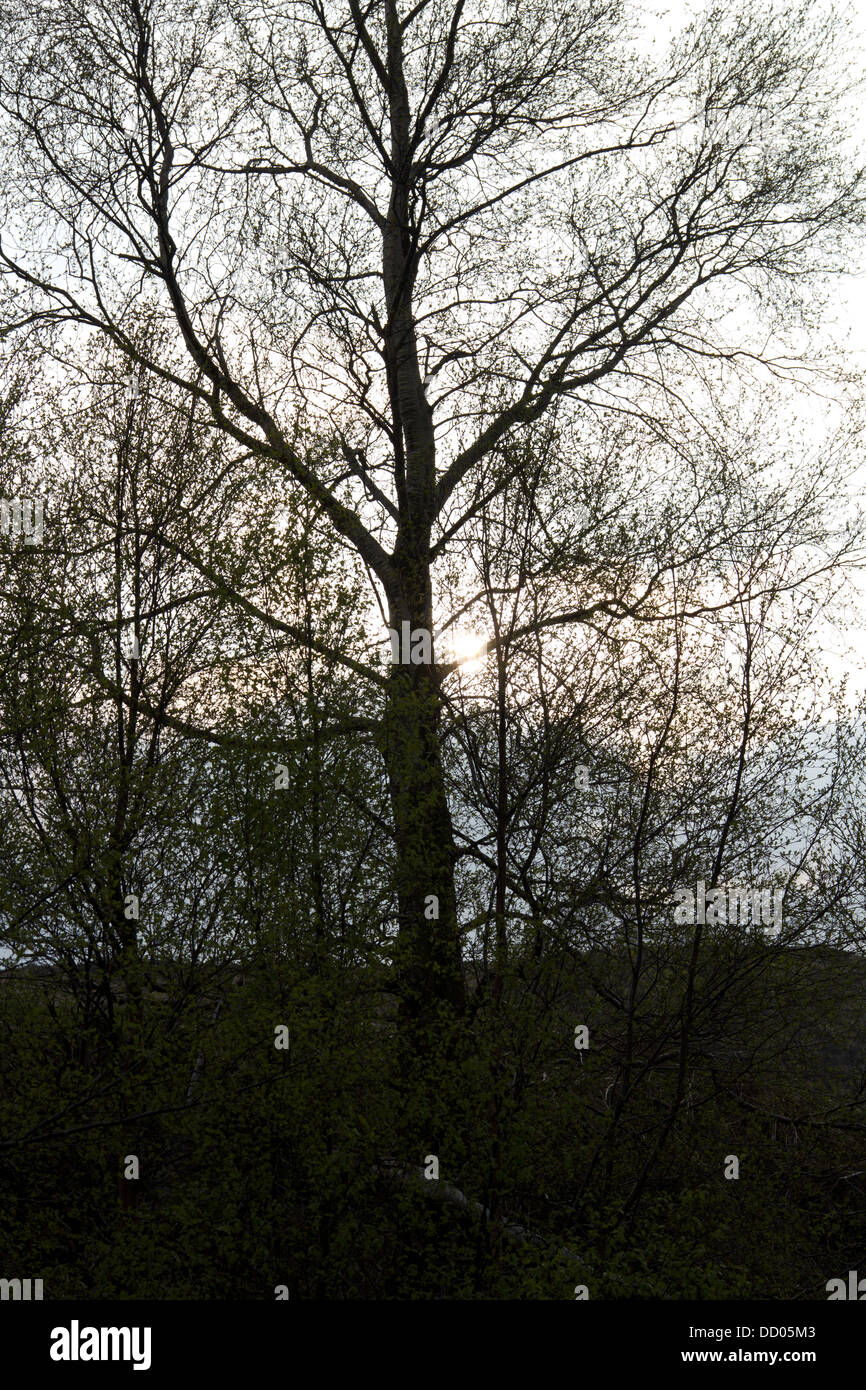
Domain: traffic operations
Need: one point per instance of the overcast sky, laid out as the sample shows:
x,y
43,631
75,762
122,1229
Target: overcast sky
x,y
845,325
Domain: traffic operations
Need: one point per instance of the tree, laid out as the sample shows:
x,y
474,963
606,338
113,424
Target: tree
x,y
589,774
378,234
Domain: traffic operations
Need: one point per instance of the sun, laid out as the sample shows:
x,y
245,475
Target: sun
x,y
469,650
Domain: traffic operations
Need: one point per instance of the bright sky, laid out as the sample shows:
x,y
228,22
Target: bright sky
x,y
845,325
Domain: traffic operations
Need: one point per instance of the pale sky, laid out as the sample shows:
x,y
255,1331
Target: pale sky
x,y
845,325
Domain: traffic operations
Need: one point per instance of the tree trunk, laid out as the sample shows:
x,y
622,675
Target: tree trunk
x,y
428,956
